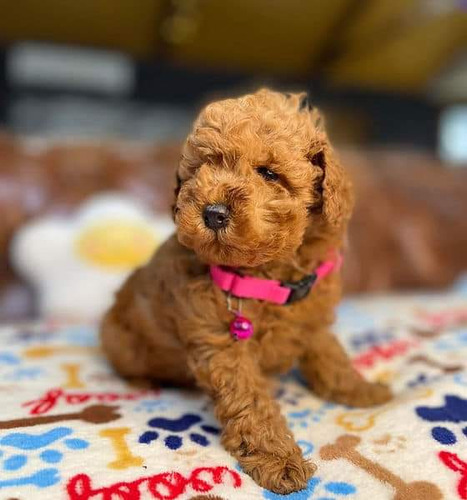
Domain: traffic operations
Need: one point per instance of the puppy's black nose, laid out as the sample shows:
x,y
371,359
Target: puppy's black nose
x,y
216,216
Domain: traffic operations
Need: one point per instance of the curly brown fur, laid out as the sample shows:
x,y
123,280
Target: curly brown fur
x,y
170,323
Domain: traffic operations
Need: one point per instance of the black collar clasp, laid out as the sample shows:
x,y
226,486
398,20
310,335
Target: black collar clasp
x,y
299,289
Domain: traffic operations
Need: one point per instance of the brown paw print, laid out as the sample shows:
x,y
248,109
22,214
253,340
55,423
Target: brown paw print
x,y
388,443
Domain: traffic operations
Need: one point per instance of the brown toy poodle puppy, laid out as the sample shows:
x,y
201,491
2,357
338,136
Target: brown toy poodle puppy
x,y
260,191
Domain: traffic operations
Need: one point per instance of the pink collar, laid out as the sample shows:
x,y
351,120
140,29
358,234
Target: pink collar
x,y
277,292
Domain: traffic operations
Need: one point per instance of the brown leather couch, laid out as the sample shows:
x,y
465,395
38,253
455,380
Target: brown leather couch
x,y
409,229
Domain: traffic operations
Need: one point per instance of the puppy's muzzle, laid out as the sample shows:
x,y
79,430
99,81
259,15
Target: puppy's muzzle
x,y
216,216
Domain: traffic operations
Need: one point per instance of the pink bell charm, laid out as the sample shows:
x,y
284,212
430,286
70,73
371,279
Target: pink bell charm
x,y
241,328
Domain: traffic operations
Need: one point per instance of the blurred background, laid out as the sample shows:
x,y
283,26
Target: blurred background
x,y
97,95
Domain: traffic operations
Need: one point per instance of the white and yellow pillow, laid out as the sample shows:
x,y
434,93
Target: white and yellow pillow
x,y
76,263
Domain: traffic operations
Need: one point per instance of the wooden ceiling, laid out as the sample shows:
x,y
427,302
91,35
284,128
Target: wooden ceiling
x,y
389,45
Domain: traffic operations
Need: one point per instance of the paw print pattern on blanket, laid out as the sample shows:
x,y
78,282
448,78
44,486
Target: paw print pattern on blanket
x,y
8,358
12,369
36,445
307,417
151,405
452,342
445,436
420,380
306,447
460,379
288,396
454,411
177,427
370,338
388,443
20,374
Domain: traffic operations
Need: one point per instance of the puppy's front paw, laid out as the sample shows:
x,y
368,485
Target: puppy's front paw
x,y
280,475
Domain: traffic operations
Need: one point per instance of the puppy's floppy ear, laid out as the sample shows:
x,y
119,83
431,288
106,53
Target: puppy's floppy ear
x,y
304,103
300,101
336,202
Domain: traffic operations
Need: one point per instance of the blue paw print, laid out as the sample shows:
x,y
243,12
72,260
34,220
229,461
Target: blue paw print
x,y
150,405
460,379
445,436
422,379
316,490
452,342
179,426
353,318
14,462
34,335
8,358
29,442
29,373
370,338
288,396
306,447
307,417
454,410
81,335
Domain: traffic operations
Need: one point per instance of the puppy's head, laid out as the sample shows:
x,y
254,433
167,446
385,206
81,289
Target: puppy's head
x,y
255,173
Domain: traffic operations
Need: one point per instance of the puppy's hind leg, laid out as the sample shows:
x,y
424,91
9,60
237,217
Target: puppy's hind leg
x,y
125,349
141,361
329,371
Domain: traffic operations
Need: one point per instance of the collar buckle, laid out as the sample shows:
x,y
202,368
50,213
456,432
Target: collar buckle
x,y
299,289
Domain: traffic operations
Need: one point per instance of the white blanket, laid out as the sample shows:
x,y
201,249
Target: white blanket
x,y
71,429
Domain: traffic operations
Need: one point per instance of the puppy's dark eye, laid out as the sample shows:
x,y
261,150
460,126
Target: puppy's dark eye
x,y
267,174
318,159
